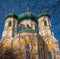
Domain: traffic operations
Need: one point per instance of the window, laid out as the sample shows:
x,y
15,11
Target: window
x,y
27,47
7,55
45,22
22,26
49,55
27,26
27,52
9,23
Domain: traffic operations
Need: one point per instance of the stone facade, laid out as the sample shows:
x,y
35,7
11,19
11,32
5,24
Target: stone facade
x,y
26,37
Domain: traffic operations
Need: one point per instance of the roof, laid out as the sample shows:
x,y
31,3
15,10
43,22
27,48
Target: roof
x,y
11,15
27,16
30,30
43,14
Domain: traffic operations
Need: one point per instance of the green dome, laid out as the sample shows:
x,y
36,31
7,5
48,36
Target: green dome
x,y
43,14
27,16
11,15
27,30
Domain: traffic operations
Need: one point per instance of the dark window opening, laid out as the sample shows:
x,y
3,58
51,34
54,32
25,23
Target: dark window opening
x,y
27,51
45,23
9,23
27,26
22,26
49,55
7,55
27,47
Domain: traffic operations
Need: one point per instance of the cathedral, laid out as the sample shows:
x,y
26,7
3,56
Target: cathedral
x,y
28,36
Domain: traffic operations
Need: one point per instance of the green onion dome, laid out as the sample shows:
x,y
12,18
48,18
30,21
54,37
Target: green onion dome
x,y
43,14
11,15
30,30
27,16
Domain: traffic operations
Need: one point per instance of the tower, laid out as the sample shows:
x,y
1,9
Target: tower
x,y
10,25
21,39
44,24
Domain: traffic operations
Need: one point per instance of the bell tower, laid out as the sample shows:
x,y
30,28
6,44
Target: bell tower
x,y
44,24
10,25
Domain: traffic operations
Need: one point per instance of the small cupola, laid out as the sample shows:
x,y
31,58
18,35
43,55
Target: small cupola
x,y
43,14
27,16
10,15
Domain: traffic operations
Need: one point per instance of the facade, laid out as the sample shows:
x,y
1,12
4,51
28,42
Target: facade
x,y
28,36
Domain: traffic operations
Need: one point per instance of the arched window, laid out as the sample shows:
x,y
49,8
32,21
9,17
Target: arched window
x,y
7,55
27,51
45,22
22,26
49,55
10,23
27,26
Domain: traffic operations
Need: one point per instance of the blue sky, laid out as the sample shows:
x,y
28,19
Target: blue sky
x,y
35,6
